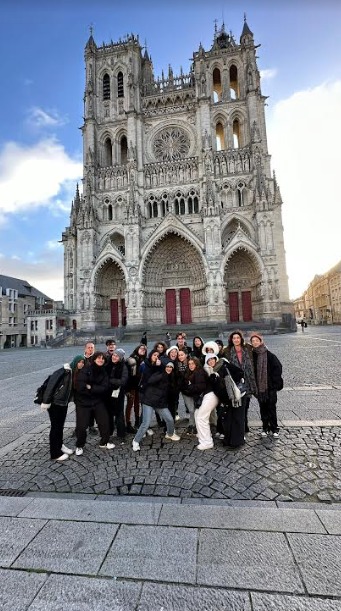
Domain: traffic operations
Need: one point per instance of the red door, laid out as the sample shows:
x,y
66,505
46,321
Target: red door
x,y
170,307
246,306
114,312
234,307
185,306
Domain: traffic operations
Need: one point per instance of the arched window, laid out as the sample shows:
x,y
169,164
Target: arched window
x,y
164,204
120,87
220,137
124,150
236,134
107,152
155,210
106,87
234,85
196,205
217,90
240,194
110,217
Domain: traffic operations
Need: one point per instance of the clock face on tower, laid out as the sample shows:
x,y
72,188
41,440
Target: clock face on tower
x,y
171,144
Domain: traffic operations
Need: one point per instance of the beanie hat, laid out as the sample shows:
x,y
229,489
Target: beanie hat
x,y
172,348
120,353
170,364
256,334
77,359
213,345
211,356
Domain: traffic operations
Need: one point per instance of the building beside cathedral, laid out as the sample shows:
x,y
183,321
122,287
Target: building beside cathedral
x,y
180,218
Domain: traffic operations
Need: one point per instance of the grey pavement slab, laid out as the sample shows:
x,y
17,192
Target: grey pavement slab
x,y
246,518
159,554
12,506
319,560
93,511
18,589
269,602
247,560
68,547
73,593
331,520
186,598
15,535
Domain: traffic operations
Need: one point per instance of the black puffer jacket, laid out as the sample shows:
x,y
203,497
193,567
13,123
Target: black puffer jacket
x,y
155,383
217,381
59,387
195,383
97,378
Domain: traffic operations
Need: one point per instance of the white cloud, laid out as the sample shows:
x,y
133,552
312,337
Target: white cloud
x,y
45,274
37,117
53,245
304,134
268,73
32,176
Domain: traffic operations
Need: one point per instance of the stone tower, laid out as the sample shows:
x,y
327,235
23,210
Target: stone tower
x,y
180,218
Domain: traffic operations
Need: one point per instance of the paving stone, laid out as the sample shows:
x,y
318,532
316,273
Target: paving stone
x,y
68,547
62,592
12,506
331,520
146,552
186,598
268,602
15,534
246,518
18,589
319,560
247,560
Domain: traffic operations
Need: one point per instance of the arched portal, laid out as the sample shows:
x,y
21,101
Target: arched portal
x,y
242,278
109,295
175,283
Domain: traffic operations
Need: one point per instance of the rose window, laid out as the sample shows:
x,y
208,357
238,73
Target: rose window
x,y
171,144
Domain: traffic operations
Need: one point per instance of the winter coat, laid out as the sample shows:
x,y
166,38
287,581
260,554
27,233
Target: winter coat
x,y
59,387
274,369
97,378
155,384
118,375
218,381
195,383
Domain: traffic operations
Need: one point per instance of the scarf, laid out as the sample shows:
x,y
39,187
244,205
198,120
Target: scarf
x,y
247,367
262,372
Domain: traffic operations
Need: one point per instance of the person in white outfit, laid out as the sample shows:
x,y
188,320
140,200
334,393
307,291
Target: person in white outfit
x,y
209,402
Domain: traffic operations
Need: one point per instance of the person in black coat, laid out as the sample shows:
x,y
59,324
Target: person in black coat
x,y
232,408
92,387
268,372
56,398
155,387
137,357
193,386
117,370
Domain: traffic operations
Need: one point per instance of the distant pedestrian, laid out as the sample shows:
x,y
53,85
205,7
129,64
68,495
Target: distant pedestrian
x,y
168,339
303,325
144,338
268,373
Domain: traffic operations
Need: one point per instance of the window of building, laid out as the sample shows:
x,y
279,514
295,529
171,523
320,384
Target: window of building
x,y
220,137
217,89
107,153
124,150
106,87
236,134
234,85
120,87
240,194
110,214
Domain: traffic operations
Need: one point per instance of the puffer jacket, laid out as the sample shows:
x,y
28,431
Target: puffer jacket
x,y
59,387
97,378
155,385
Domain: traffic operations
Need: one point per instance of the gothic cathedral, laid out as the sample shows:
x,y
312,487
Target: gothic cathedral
x,y
180,218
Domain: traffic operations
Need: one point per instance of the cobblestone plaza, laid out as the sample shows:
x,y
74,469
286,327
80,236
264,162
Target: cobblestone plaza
x,y
303,465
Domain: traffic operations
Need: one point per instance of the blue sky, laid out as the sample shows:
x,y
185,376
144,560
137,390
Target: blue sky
x,y
41,108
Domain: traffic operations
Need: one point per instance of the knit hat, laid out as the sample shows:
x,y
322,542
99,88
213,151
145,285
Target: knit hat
x,y
211,356
77,359
256,334
170,364
213,345
120,353
172,348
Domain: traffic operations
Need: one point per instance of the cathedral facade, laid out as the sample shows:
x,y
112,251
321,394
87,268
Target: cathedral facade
x,y
179,220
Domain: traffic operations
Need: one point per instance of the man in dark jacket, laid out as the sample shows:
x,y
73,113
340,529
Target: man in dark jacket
x,y
268,372
55,400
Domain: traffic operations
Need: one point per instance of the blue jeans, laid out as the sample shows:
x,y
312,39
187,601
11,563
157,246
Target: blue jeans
x,y
147,414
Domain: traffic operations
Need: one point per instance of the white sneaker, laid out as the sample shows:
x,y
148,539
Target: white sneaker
x,y
150,432
177,417
79,451
107,446
173,437
66,450
62,458
263,434
201,447
136,446
276,435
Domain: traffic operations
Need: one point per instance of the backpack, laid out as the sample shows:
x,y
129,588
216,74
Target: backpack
x,y
38,399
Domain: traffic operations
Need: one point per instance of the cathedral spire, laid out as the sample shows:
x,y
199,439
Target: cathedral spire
x,y
246,35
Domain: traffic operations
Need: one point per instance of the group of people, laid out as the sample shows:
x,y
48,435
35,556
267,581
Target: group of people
x,y
123,393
